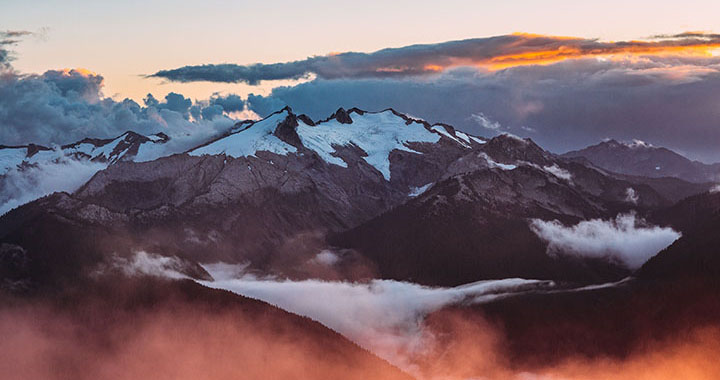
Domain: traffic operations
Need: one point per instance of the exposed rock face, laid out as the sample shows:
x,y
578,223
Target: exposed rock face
x,y
244,197
342,116
474,223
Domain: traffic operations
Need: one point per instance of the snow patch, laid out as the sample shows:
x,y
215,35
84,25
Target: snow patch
x,y
247,142
377,134
559,172
463,136
638,144
443,131
417,191
492,164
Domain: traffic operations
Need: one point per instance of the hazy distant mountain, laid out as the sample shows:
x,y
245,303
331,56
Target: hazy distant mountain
x,y
642,159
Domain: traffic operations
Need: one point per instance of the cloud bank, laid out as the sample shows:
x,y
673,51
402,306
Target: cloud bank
x,y
627,239
20,186
661,90
493,52
64,106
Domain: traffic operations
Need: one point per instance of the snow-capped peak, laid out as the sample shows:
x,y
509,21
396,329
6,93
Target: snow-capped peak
x,y
375,133
127,147
258,136
635,143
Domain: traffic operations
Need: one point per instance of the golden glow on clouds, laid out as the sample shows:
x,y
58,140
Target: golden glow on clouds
x,y
433,68
575,48
82,71
523,49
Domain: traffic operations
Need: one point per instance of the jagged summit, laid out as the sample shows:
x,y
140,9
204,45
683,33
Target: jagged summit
x,y
375,134
507,147
129,146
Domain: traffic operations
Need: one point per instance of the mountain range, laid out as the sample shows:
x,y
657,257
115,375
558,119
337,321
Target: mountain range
x,y
376,195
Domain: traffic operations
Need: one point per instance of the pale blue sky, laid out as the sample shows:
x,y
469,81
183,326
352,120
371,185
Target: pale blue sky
x,y
122,39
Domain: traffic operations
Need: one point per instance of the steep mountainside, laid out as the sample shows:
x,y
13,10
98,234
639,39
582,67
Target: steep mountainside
x,y
121,328
474,223
674,297
265,194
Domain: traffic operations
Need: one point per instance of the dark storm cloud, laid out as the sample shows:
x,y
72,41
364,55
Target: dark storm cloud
x,y
251,74
667,101
494,52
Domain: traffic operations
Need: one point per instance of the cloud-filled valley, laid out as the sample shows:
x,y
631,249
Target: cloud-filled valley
x,y
384,316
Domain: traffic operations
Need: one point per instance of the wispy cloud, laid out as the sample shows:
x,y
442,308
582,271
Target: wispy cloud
x,y
485,122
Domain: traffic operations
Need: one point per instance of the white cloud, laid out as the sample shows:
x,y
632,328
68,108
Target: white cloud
x,y
626,240
20,186
485,122
147,264
383,316
326,257
631,196
715,189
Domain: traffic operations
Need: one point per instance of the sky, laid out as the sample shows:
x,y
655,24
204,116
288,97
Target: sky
x,y
125,39
159,47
